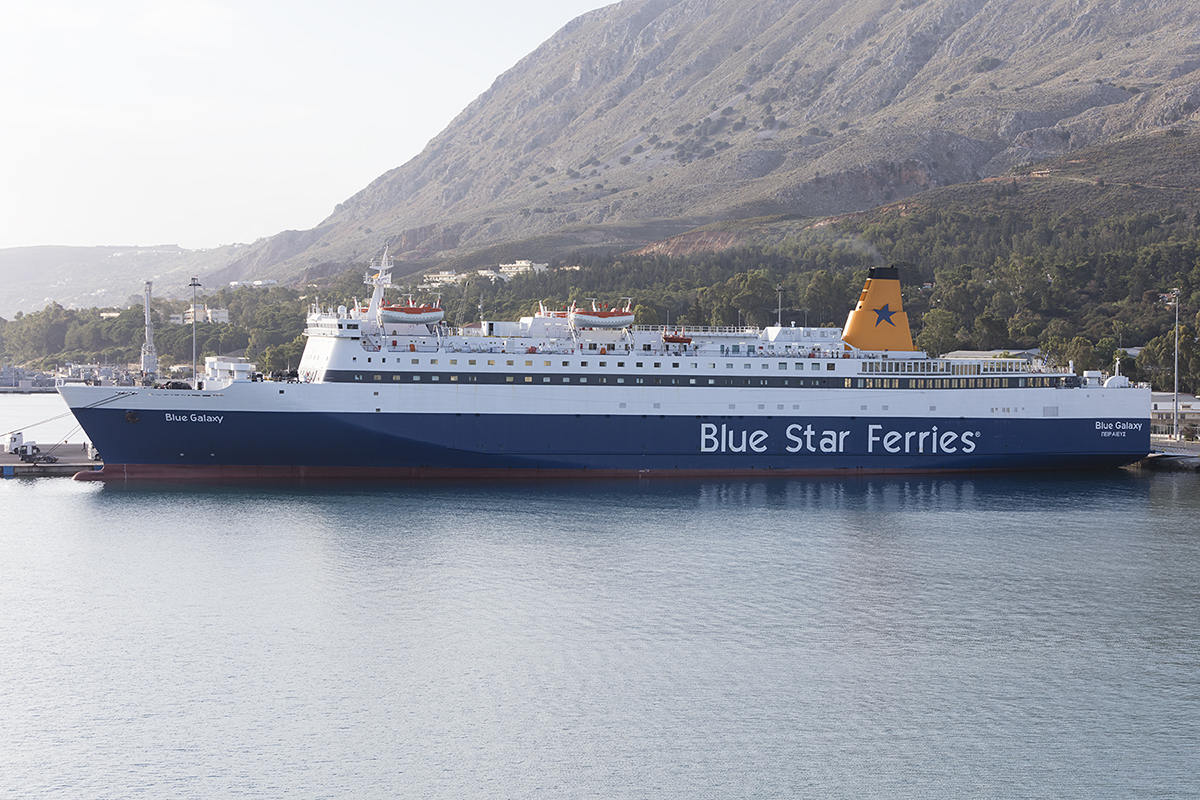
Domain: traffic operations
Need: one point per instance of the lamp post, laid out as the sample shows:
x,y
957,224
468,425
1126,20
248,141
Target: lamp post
x,y
195,284
1175,299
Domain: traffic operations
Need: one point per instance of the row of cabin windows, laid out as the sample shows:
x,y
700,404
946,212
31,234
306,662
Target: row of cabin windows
x,y
860,383
814,366
944,367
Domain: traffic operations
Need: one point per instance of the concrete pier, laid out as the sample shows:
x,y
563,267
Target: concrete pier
x,y
72,458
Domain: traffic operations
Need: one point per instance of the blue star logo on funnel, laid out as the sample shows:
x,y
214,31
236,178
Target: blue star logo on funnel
x,y
884,315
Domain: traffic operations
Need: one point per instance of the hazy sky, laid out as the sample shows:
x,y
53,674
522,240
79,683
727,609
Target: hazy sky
x,y
206,122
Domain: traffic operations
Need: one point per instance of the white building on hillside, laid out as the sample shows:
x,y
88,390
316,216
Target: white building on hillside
x,y
444,277
510,271
202,313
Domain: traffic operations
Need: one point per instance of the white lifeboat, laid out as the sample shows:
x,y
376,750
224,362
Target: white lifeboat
x,y
412,314
602,318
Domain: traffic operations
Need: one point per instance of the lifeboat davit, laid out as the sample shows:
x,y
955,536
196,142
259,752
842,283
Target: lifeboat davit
x,y
550,313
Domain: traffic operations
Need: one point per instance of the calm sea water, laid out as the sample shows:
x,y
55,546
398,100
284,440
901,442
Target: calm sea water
x,y
1018,636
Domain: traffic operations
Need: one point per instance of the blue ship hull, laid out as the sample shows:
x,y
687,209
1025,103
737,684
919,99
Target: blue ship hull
x,y
410,444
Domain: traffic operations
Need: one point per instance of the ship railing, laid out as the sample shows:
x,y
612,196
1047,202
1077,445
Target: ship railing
x,y
412,347
697,330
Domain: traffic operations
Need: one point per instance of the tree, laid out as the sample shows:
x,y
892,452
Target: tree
x,y
939,332
1157,361
282,358
645,315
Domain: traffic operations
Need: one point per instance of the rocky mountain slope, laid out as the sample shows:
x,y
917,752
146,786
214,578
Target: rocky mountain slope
x,y
686,112
650,118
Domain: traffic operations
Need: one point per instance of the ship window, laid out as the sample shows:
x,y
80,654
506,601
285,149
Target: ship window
x,y
378,377
847,383
830,367
384,360
453,362
453,378
416,361
621,380
591,345
352,326
509,379
509,362
646,348
529,363
692,381
604,363
583,363
620,363
435,377
638,364
729,366
433,361
545,363
675,365
529,379
747,366
358,377
416,377
639,380
368,360
782,365
491,362
395,377
354,358
694,365
566,363
471,361
657,364
711,381
583,380
566,380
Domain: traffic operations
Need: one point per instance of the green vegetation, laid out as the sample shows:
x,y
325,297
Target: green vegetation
x,y
266,322
983,276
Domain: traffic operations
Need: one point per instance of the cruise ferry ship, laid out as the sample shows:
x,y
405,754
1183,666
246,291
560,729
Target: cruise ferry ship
x,y
588,393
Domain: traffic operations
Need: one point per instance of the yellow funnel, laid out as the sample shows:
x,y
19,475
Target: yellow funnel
x,y
878,322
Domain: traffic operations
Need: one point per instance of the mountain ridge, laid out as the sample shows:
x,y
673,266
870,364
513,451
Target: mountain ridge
x,y
648,119
637,61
